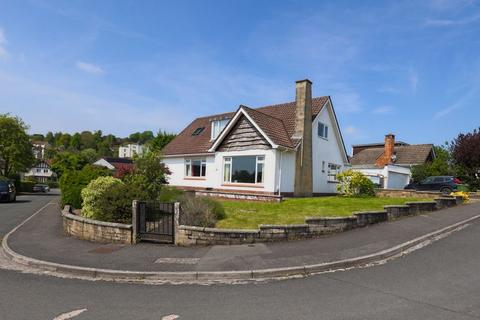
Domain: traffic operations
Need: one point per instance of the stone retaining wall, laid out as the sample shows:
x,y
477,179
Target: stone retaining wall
x,y
238,195
313,227
93,230
395,193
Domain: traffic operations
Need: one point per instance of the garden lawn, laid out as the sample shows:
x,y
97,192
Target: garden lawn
x,y
249,215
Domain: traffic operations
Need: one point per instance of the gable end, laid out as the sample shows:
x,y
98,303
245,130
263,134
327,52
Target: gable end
x,y
244,136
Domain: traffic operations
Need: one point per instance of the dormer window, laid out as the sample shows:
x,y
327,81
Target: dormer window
x,y
217,127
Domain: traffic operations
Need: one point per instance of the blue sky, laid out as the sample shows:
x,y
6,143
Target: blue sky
x,y
407,67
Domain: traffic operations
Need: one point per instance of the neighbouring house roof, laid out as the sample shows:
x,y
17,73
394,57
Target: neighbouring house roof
x,y
276,121
113,160
406,155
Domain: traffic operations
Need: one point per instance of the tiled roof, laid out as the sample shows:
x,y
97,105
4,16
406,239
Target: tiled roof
x,y
113,160
406,155
269,118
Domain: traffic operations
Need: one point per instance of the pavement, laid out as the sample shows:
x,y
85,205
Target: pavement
x,y
42,238
439,282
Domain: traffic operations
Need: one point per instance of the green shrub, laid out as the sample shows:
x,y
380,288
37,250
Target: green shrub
x,y
200,211
73,181
105,199
26,186
53,184
354,183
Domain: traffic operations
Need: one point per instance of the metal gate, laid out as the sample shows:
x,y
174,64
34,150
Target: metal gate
x,y
156,221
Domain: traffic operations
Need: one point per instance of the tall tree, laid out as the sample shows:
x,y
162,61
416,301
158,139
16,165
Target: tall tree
x,y
15,147
161,140
440,166
466,155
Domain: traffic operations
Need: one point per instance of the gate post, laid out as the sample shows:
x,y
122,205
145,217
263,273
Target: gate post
x,y
176,221
135,219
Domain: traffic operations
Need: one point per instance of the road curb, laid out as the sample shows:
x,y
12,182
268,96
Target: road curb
x,y
194,276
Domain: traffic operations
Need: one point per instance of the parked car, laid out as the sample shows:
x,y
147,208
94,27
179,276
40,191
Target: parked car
x,y
41,188
7,191
444,184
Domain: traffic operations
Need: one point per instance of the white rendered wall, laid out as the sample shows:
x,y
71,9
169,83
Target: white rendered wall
x,y
328,150
214,174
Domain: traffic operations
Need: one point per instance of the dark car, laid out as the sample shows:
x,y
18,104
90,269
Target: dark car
x,y
7,191
444,184
41,188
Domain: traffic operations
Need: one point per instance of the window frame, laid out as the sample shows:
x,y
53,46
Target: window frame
x,y
324,133
188,166
219,128
259,160
335,169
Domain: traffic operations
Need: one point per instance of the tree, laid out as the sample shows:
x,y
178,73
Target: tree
x,y
50,138
15,147
466,155
75,142
161,140
67,161
149,174
440,166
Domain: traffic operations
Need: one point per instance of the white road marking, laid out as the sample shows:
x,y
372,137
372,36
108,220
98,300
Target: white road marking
x,y
170,317
69,315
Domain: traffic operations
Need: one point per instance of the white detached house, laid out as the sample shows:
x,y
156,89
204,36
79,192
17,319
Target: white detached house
x,y
289,149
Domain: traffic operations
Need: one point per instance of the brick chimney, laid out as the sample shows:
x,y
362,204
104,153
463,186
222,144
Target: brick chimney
x,y
303,186
386,157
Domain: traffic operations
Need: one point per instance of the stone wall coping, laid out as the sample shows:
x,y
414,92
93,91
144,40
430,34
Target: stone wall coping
x,y
283,226
410,190
217,230
396,206
420,202
71,216
357,213
329,218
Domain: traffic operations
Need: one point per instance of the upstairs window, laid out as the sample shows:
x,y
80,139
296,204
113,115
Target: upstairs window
x,y
195,167
322,130
217,127
198,131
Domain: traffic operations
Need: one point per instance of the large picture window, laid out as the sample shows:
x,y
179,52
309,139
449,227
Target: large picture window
x,y
244,169
195,167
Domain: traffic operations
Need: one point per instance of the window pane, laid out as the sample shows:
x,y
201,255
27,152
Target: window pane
x,y
320,129
226,172
187,170
243,169
259,172
326,132
196,168
204,168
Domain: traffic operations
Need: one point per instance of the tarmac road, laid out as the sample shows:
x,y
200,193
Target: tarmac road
x,y
440,281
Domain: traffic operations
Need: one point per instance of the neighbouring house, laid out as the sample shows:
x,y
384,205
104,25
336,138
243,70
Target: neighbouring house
x,y
293,148
41,172
130,150
39,148
389,164
117,165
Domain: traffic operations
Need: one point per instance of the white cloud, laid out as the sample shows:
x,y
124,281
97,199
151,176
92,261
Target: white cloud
x,y
3,41
452,22
383,110
89,68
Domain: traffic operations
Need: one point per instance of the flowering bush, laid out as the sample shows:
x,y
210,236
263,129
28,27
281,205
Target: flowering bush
x,y
354,183
463,194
